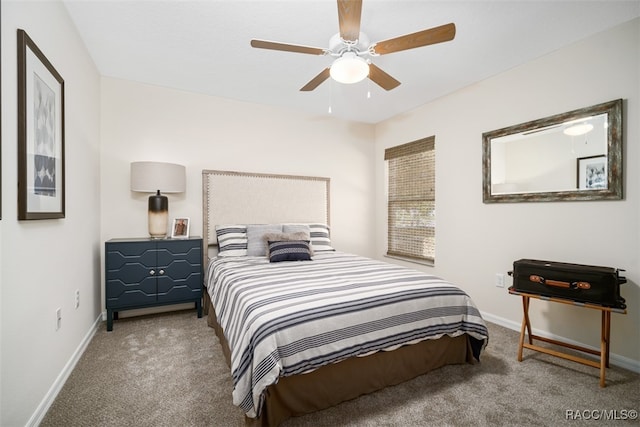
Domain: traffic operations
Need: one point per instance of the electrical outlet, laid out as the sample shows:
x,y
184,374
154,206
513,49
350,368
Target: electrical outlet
x,y
77,298
500,280
58,318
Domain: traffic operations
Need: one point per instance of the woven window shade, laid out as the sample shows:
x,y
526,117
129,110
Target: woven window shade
x,y
411,223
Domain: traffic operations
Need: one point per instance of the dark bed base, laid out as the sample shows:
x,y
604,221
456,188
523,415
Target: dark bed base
x,y
336,383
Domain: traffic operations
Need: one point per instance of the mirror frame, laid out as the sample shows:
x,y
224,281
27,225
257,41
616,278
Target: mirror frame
x,y
613,109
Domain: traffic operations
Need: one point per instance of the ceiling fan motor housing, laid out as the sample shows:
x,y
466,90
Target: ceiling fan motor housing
x,y
337,46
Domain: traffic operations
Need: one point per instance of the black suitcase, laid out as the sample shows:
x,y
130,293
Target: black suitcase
x,y
580,283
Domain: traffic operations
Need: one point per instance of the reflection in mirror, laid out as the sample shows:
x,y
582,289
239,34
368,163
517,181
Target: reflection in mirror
x,y
571,156
545,159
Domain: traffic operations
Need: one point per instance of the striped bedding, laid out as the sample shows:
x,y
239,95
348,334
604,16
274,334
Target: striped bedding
x,y
288,318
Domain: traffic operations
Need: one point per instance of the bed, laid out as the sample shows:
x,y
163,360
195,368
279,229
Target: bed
x,y
304,326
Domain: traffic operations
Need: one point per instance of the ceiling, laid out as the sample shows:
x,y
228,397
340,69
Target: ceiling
x,y
203,46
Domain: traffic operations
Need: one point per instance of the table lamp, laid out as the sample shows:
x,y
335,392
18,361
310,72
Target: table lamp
x,y
154,177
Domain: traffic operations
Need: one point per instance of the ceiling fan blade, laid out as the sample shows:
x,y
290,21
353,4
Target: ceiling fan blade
x,y
264,44
349,13
434,35
316,81
382,79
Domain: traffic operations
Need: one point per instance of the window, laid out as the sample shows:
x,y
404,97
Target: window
x,y
411,223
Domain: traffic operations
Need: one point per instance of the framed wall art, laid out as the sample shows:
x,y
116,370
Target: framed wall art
x,y
41,191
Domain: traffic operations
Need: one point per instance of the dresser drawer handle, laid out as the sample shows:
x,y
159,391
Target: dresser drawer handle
x,y
161,272
152,272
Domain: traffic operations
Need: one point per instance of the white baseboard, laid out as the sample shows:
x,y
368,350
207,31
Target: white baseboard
x,y
614,359
51,395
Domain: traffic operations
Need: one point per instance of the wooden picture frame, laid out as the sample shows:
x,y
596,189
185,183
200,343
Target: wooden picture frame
x,y
180,228
592,173
41,189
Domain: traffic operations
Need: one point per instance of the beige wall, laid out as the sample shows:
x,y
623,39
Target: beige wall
x,y
43,262
475,240
143,122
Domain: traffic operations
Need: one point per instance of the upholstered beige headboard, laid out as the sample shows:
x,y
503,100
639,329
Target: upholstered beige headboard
x,y
254,198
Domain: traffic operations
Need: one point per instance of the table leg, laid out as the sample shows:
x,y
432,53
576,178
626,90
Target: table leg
x,y
603,350
526,326
605,336
526,316
608,335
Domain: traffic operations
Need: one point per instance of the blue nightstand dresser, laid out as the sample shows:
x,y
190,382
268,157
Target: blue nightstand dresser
x,y
146,272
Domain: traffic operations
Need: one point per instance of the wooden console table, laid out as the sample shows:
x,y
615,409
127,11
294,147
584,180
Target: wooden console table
x,y
605,334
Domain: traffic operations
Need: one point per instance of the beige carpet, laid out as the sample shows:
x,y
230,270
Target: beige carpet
x,y
168,370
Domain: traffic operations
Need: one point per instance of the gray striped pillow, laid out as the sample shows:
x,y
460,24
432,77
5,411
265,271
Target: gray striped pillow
x,y
232,240
320,240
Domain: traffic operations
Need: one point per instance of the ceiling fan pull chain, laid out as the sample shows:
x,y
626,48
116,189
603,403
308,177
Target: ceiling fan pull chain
x,y
330,95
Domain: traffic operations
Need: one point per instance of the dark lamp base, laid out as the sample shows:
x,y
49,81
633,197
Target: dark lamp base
x,y
158,216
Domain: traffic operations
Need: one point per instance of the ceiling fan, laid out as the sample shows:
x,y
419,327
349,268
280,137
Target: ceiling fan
x,y
353,52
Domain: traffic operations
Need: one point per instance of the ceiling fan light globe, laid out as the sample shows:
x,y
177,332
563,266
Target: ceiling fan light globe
x,y
579,129
349,68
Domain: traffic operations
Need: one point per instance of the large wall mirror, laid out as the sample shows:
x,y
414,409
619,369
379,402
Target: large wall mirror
x,y
571,156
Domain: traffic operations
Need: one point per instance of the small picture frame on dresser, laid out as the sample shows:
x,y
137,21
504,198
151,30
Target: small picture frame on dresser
x,y
180,228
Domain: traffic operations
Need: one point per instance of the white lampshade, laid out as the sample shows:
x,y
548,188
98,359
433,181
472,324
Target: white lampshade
x,y
154,177
149,177
349,68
